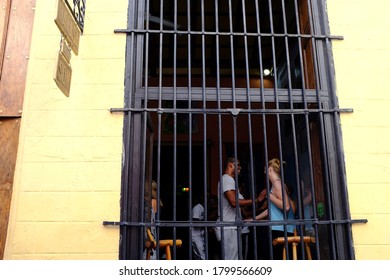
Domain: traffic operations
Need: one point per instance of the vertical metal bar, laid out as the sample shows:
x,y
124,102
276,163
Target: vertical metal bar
x,y
287,49
284,198
259,44
297,16
189,58
319,103
146,71
231,30
204,102
220,159
307,129
266,156
175,127
322,129
125,232
248,89
139,165
159,136
159,124
277,118
239,245
293,125
145,121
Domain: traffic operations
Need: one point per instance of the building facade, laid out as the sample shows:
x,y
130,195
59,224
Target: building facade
x,y
166,91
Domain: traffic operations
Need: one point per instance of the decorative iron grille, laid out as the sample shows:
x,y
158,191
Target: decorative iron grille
x,y
78,10
196,93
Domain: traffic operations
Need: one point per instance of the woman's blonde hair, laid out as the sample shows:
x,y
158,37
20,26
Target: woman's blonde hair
x,y
275,164
154,192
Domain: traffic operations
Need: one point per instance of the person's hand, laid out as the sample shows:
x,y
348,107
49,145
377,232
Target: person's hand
x,y
262,195
272,197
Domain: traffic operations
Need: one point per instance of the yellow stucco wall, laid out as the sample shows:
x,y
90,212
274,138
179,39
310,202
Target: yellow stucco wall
x,y
68,169
67,177
362,62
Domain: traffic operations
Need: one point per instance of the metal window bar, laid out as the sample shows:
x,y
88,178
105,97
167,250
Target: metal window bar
x,y
145,128
279,140
234,119
316,53
251,160
319,104
190,129
307,130
293,123
138,38
205,124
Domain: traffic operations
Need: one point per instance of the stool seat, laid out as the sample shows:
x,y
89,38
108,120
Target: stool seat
x,y
295,240
164,243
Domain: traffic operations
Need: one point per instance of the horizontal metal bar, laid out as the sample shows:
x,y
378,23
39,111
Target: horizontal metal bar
x,y
359,221
237,223
234,112
212,33
11,116
225,94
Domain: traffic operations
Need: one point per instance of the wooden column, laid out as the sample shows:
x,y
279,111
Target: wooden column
x,y
16,21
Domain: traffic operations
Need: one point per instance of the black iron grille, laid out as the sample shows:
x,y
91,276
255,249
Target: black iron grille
x,y
252,80
78,10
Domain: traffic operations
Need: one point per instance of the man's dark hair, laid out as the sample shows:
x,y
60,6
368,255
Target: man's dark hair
x,y
229,160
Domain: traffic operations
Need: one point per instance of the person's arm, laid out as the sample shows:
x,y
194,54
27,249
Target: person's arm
x,y
276,196
261,216
231,197
154,205
307,199
293,205
246,212
262,195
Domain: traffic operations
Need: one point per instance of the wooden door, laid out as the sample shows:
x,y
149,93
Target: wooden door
x,y
16,20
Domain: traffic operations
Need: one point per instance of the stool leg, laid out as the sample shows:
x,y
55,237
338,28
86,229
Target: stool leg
x,y
294,250
308,251
168,253
284,253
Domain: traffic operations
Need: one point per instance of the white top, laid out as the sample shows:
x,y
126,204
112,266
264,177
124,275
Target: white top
x,y
245,229
228,212
198,213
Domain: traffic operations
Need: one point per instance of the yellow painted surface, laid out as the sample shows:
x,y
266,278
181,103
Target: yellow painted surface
x,y
362,62
67,179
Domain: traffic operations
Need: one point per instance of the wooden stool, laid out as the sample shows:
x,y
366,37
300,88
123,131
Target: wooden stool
x,y
295,240
165,243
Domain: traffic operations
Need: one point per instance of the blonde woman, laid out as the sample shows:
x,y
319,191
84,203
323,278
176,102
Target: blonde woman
x,y
279,201
153,212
